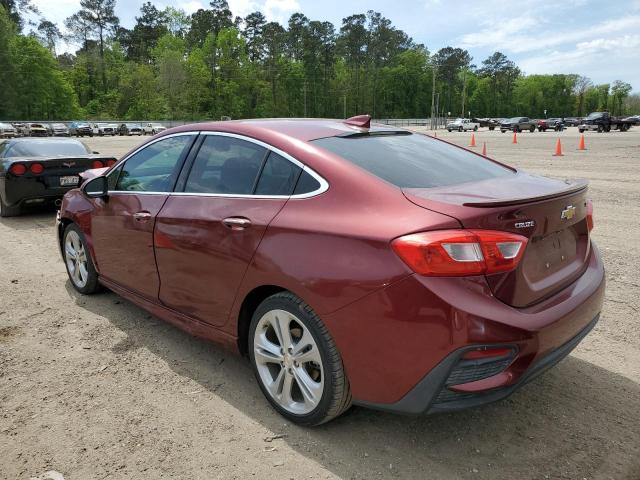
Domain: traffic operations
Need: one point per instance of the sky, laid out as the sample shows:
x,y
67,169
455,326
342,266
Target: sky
x,y
596,38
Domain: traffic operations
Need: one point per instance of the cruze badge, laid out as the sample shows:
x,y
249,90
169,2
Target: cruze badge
x,y
527,224
568,213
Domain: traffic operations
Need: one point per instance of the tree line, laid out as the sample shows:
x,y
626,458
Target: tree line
x,y
210,64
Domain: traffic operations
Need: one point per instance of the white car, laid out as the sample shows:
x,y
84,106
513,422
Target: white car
x,y
462,125
153,128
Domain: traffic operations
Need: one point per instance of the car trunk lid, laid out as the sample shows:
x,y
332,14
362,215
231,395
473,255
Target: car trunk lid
x,y
551,213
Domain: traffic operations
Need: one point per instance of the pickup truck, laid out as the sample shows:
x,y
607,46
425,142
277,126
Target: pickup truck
x,y
462,125
603,122
518,124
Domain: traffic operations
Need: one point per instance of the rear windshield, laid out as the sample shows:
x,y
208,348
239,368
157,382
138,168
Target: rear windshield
x,y
413,160
47,148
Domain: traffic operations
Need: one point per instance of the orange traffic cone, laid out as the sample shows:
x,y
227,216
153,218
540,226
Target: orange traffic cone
x,y
473,140
515,138
558,152
484,149
581,144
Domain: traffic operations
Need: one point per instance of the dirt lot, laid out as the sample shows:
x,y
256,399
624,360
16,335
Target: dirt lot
x,y
95,388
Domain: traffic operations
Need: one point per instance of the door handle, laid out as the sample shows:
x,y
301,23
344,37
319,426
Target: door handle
x,y
236,223
142,216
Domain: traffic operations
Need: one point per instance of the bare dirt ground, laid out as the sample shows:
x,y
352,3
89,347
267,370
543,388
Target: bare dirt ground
x,y
95,388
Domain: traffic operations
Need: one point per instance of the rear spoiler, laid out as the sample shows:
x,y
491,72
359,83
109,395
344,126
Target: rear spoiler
x,y
573,187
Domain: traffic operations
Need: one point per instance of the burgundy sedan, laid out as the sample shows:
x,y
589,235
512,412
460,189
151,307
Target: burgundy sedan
x,y
352,263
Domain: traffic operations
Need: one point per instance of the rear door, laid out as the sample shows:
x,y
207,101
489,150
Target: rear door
x,y
122,224
207,234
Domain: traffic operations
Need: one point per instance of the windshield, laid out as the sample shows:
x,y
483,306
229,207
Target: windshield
x,y
513,120
594,114
133,125
48,148
59,125
413,160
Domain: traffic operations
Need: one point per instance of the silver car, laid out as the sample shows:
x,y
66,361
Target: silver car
x,y
59,130
7,130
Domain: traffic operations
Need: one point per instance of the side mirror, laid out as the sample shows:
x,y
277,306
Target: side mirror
x,y
97,187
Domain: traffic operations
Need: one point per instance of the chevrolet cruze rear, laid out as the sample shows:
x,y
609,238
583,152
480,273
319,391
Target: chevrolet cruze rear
x,y
351,263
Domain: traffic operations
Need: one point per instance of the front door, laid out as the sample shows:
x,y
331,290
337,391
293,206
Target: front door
x,y
122,224
207,235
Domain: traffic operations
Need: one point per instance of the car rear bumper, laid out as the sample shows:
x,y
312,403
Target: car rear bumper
x,y
31,190
401,345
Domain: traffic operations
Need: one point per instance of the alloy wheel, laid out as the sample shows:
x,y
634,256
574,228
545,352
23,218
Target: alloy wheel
x,y
76,258
288,362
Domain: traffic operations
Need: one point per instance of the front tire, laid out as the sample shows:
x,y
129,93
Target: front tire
x,y
78,261
296,362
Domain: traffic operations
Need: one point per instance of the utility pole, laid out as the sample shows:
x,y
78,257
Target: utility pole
x,y
434,71
464,90
305,99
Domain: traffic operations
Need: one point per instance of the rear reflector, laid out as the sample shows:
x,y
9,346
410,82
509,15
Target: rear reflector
x,y
18,169
460,252
589,215
483,353
36,168
97,164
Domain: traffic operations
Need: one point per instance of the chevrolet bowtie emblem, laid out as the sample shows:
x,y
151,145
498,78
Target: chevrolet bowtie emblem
x,y
568,213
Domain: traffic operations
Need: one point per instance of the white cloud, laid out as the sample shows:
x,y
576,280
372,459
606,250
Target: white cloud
x,y
280,10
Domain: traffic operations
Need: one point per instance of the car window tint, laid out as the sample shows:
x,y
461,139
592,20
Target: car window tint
x,y
413,160
48,148
225,165
154,168
278,176
306,184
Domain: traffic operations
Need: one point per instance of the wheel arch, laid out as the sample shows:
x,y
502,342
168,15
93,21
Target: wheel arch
x,y
249,305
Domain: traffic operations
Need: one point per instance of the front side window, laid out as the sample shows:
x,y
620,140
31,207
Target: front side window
x,y
155,168
226,165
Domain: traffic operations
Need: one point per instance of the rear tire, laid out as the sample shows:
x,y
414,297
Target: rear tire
x,y
78,261
9,211
296,362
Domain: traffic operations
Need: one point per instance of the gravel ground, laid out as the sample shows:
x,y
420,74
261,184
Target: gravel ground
x,y
95,388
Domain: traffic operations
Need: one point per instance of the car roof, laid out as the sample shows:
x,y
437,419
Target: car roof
x,y
304,129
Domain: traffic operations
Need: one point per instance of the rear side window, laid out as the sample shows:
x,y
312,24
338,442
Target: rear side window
x,y
413,160
279,176
225,165
306,184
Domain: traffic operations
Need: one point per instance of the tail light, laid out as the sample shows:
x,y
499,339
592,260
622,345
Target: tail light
x,y
111,162
456,253
589,215
18,169
97,164
36,168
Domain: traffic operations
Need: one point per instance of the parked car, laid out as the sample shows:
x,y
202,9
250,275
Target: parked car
x,y
555,124
633,120
462,125
352,263
7,131
59,130
38,171
130,129
153,128
80,129
572,121
21,128
102,129
37,130
490,123
518,124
